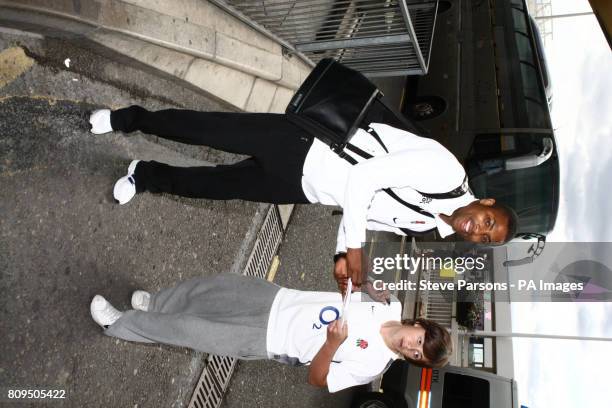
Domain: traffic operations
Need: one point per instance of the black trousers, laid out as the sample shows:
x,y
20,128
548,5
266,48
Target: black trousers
x,y
272,174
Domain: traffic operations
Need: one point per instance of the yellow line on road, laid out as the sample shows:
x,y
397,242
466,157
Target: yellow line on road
x,y
273,268
13,63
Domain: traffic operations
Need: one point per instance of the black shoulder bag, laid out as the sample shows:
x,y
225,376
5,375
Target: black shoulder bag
x,y
332,102
335,100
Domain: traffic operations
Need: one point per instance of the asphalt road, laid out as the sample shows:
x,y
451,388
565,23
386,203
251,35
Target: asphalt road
x,y
63,239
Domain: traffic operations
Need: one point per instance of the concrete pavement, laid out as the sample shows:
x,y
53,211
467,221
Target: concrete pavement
x,y
191,40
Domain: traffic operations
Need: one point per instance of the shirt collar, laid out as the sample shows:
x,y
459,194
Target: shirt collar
x,y
388,353
443,228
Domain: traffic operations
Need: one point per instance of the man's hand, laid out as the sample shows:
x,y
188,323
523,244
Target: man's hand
x,y
336,333
340,274
353,265
382,296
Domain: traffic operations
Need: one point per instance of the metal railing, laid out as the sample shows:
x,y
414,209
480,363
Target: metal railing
x,y
436,305
376,37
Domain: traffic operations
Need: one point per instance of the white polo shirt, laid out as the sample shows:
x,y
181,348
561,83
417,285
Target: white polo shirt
x,y
297,328
413,164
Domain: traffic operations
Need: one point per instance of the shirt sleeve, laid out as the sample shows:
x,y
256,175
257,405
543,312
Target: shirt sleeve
x,y
371,225
347,374
429,168
341,239
380,226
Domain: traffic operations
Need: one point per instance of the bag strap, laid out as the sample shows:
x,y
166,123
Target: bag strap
x,y
407,204
457,192
410,126
367,156
378,139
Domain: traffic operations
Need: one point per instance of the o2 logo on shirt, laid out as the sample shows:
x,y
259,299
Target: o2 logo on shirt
x,y
426,200
327,315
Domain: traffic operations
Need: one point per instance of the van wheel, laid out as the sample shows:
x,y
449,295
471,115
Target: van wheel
x,y
426,107
371,400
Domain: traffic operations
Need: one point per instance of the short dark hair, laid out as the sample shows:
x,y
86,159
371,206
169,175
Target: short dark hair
x,y
437,345
513,221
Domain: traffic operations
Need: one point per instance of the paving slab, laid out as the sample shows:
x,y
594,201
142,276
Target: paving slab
x,y
213,78
213,44
261,97
206,14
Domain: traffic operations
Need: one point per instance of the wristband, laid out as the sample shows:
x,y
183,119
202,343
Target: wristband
x,y
339,255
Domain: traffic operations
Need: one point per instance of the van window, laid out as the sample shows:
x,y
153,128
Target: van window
x,y
476,353
464,391
532,192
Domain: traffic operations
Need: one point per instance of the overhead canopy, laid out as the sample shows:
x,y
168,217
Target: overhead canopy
x,y
603,12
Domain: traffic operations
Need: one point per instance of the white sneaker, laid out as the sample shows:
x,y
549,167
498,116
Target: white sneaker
x,y
100,121
125,187
141,300
103,312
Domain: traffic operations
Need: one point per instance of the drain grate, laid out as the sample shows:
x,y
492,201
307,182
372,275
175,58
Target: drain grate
x,y
268,239
218,370
208,393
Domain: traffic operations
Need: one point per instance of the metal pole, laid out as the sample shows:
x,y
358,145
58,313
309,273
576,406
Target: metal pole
x,y
415,42
229,9
586,13
484,333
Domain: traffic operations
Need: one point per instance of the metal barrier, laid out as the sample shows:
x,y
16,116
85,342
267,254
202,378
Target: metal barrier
x,y
376,37
436,305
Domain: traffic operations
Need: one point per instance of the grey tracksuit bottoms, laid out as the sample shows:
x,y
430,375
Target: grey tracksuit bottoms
x,y
225,315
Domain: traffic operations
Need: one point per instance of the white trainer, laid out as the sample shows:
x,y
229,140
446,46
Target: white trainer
x,y
141,300
103,312
125,187
100,121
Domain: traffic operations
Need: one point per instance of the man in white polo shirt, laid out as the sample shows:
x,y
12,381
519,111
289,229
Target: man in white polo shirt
x,y
250,318
286,165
